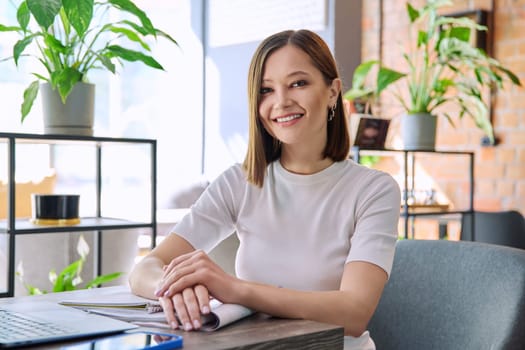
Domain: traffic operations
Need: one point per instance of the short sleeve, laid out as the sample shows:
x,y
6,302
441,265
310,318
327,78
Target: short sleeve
x,y
213,216
377,218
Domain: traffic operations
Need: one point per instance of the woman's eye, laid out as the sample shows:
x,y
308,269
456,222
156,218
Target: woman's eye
x,y
265,90
299,83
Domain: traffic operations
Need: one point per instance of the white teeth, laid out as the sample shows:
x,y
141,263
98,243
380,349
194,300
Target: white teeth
x,y
288,118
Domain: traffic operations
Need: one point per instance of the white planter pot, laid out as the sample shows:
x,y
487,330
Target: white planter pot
x,y
418,131
75,117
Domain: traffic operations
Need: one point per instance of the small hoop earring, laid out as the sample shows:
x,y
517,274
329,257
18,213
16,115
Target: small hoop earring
x,y
331,113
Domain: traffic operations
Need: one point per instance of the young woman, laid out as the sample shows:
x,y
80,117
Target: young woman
x,y
317,232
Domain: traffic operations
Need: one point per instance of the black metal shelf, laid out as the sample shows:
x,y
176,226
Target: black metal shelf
x,y
55,139
25,226
382,150
409,157
13,226
436,213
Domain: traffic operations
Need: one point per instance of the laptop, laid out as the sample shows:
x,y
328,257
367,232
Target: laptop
x,y
35,322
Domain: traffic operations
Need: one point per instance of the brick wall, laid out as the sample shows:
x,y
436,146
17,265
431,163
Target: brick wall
x,y
499,170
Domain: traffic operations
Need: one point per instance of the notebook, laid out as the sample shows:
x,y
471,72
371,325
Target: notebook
x,y
34,322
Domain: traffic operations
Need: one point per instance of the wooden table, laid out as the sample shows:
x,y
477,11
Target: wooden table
x,y
255,332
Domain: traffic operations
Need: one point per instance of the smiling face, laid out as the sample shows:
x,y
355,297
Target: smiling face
x,y
293,75
295,98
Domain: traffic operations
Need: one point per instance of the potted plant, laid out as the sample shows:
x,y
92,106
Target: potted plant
x,y
70,277
365,97
72,38
444,69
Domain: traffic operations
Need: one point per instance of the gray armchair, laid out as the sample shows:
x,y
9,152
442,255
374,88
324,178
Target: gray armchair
x,y
452,295
499,227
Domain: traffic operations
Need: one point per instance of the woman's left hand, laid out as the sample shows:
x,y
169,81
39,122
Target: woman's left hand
x,y
184,310
189,270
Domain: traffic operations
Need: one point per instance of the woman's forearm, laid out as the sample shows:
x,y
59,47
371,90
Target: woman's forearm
x,y
351,307
334,307
145,276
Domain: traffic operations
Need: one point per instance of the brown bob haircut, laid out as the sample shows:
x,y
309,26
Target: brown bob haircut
x,y
263,148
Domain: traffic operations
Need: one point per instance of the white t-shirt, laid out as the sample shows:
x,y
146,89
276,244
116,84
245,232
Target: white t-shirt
x,y
299,231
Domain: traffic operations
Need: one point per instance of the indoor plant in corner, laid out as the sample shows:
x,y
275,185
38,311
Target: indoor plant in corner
x,y
71,38
444,69
70,277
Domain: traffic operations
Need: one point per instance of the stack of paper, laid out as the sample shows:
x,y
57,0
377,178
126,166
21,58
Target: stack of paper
x,y
125,306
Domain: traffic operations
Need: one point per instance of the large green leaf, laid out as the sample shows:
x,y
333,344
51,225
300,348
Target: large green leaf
x,y
20,46
23,15
54,44
65,80
106,62
44,11
413,14
132,56
65,279
361,72
515,80
29,97
79,13
128,6
479,113
385,77
41,77
461,33
130,34
356,93
135,26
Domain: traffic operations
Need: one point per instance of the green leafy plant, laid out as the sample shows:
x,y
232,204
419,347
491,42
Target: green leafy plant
x,y
70,43
69,278
444,67
368,94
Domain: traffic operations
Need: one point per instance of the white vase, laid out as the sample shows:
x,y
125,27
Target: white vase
x,y
75,117
418,131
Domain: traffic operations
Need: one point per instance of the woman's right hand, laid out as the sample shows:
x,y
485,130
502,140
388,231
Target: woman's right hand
x,y
187,306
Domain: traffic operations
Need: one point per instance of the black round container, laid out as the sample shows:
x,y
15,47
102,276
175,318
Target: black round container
x,y
55,208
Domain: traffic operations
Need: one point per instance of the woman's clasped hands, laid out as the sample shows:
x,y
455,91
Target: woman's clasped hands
x,y
187,284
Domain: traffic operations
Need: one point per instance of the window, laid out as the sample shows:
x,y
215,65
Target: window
x,y
137,102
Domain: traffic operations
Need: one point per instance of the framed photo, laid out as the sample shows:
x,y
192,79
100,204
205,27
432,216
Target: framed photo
x,y
480,39
371,133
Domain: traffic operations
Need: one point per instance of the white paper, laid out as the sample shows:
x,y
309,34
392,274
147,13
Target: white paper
x,y
125,306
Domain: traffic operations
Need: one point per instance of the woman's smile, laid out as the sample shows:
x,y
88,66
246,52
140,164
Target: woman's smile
x,y
288,119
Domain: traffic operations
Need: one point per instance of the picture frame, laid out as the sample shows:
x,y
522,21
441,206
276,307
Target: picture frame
x,y
481,40
371,133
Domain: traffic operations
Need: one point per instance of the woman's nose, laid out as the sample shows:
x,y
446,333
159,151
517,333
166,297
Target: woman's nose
x,y
282,98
